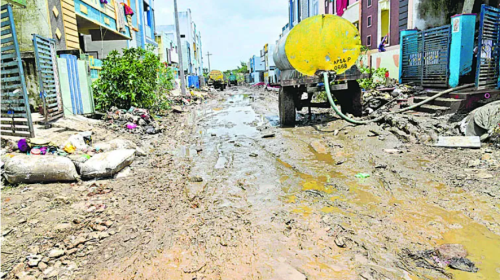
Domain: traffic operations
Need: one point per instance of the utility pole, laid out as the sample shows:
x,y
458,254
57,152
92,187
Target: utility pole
x,y
208,56
181,65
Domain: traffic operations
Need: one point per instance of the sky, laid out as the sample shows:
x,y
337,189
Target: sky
x,y
232,30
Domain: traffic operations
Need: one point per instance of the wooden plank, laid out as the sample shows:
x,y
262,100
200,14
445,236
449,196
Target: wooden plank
x,y
5,23
16,122
11,79
15,86
8,48
13,101
8,56
8,133
17,128
6,32
9,64
6,40
15,108
459,142
15,115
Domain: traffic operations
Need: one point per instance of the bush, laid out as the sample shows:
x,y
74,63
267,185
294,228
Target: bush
x,y
377,78
136,78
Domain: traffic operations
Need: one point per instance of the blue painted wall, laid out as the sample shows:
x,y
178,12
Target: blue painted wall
x,y
462,47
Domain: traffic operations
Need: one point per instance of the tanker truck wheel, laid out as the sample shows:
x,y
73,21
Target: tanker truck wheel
x,y
350,99
286,107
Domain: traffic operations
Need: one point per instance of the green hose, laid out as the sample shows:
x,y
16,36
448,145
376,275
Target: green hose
x,y
353,121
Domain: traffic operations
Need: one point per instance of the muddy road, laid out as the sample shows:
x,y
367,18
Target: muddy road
x,y
230,195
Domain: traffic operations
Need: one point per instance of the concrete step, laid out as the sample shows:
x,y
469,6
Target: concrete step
x,y
440,101
433,109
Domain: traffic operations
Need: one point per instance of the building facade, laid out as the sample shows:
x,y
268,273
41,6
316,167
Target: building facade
x,y
191,45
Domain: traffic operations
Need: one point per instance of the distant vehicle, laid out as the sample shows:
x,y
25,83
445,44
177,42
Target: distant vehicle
x,y
216,79
332,45
233,80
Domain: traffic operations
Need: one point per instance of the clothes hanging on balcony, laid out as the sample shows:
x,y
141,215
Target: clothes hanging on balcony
x,y
120,17
128,10
341,6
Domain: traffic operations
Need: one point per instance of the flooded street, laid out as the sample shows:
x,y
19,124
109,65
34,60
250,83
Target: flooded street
x,y
272,203
225,193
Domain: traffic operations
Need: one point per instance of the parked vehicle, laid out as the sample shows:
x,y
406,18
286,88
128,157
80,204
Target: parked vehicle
x,y
233,80
318,44
216,79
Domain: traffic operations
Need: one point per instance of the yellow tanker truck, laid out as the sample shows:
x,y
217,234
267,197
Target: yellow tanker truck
x,y
216,79
318,45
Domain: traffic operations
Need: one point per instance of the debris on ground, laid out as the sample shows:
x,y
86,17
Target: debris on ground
x,y
482,121
459,142
39,169
107,164
134,120
446,255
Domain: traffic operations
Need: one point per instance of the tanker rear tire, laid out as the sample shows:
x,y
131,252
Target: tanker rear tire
x,y
350,99
286,107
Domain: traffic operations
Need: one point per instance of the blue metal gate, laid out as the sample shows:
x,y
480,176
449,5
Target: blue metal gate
x,y
488,48
425,57
48,77
15,112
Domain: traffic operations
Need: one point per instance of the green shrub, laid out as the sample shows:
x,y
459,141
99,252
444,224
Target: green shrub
x,y
136,78
377,78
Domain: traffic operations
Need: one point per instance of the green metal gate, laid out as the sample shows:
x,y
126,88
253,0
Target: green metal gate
x,y
487,73
48,77
15,112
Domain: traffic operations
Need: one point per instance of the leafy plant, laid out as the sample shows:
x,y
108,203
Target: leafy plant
x,y
377,77
135,78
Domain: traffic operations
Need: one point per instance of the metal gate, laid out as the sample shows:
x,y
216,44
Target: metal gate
x,y
488,48
425,57
48,77
15,113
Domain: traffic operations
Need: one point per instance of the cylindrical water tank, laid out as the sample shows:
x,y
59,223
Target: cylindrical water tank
x,y
322,42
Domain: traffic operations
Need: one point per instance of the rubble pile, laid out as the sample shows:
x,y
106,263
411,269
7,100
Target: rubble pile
x,y
135,120
396,95
37,160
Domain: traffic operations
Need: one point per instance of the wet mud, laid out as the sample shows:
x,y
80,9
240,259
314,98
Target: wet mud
x,y
262,202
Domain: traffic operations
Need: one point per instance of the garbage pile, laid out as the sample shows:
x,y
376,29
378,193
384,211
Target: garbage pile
x,y
396,95
135,120
36,160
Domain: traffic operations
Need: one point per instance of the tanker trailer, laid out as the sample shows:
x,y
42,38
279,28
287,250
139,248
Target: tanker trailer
x,y
318,44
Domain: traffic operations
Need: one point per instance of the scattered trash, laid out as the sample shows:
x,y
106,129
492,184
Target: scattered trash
x,y
131,126
134,120
69,148
459,142
27,169
393,151
23,145
254,155
362,175
446,255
